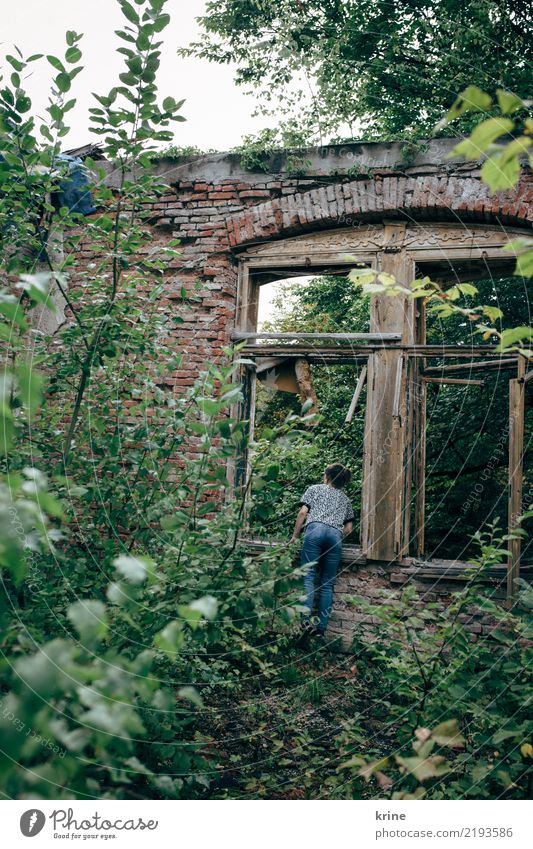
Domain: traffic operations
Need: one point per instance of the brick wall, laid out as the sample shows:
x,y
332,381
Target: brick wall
x,y
382,583
215,207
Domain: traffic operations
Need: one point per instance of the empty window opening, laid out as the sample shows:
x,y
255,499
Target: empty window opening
x,y
301,457
303,303
320,303
467,450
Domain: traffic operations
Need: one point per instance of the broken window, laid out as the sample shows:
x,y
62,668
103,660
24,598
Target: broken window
x,y
336,343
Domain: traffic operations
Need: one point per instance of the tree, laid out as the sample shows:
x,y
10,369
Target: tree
x,y
367,68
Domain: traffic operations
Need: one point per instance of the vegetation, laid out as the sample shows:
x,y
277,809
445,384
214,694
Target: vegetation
x,y
367,70
145,651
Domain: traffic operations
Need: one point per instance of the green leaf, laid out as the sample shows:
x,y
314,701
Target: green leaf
x,y
524,261
492,313
508,102
30,385
63,82
77,491
524,264
37,286
11,309
170,639
56,63
361,276
498,173
161,22
133,569
467,288
472,99
128,79
129,12
516,148
211,408
207,606
448,734
73,55
190,694
483,135
89,619
7,430
513,336
15,63
505,734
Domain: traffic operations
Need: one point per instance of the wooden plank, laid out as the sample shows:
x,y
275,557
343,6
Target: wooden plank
x,y
245,412
419,437
420,469
441,351
463,381
383,529
410,406
397,388
516,456
510,362
356,394
527,377
459,351
339,337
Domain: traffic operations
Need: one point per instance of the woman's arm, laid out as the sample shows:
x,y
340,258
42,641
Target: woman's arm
x,y
347,529
300,519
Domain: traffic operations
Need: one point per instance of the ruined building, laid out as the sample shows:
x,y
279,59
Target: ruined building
x,y
431,215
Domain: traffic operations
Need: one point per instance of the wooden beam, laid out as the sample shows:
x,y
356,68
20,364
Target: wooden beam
x,y
397,388
461,380
338,337
459,351
490,364
246,412
419,437
516,457
356,394
527,377
383,525
298,350
419,476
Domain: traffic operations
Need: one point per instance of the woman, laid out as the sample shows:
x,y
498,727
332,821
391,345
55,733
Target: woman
x,y
329,517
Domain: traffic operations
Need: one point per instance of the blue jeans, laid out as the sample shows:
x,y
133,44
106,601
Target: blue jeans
x,y
322,549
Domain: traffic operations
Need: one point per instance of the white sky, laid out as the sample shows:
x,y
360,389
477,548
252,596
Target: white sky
x,y
268,293
218,113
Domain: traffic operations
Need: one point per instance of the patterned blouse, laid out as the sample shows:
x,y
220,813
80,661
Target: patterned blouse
x,y
327,505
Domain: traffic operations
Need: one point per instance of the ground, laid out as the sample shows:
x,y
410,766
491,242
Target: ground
x,y
284,734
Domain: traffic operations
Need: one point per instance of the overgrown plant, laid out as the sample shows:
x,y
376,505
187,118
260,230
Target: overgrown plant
x,y
117,570
426,664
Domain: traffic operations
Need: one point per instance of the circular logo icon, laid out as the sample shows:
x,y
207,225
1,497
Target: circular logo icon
x,y
32,822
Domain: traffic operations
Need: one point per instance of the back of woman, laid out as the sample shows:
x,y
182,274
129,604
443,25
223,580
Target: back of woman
x,y
329,516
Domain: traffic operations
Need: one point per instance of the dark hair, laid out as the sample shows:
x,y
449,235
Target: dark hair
x,y
338,475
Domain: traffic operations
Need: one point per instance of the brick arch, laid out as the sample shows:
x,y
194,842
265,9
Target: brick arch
x,y
438,196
